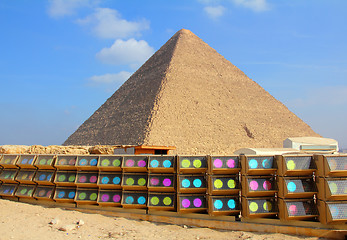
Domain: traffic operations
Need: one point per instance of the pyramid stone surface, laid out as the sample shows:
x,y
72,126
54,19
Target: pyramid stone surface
x,y
189,96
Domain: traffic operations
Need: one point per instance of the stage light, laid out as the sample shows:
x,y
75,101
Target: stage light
x,y
162,164
110,163
44,192
109,198
295,165
133,199
332,212
192,184
161,182
223,184
224,165
134,181
25,176
65,178
45,162
192,164
89,162
331,165
253,186
65,194
258,165
26,161
297,209
332,188
9,161
25,191
223,205
66,162
161,201
191,203
110,180
86,179
44,177
86,195
296,187
259,207
9,175
8,190
135,164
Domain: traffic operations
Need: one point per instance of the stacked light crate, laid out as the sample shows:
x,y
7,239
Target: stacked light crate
x,y
25,176
134,182
332,188
109,182
44,177
8,176
161,183
191,184
224,185
297,190
258,186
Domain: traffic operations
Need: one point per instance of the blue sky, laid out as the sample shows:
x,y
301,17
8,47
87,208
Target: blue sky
x,y
61,59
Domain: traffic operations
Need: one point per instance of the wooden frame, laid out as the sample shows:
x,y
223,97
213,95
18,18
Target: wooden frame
x,y
288,168
284,192
326,186
285,212
224,164
267,165
328,168
246,190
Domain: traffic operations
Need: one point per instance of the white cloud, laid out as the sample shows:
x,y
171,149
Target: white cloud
x,y
214,12
255,5
107,23
61,8
110,78
130,52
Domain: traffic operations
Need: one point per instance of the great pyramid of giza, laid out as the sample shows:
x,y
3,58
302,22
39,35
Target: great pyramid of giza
x,y
189,96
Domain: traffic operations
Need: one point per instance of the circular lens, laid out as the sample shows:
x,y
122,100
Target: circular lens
x,y
197,183
83,162
116,198
141,163
185,183
25,161
82,179
129,200
197,202
72,178
42,161
291,165
231,183
253,185
185,203
167,201
217,163
154,181
105,197
333,187
185,163
93,179
167,163
253,164
231,163
292,210
197,163
167,182
93,162
116,163
41,193
129,163
267,206
154,163
105,180
72,195
62,161
105,162
141,200
61,178
266,163
130,181
42,177
72,162
218,183
154,201
93,196
218,204
253,207
291,186
82,196
23,191
61,194
141,181
267,185
231,203
116,180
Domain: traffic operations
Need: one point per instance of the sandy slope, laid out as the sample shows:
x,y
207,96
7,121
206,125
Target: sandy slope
x,y
25,221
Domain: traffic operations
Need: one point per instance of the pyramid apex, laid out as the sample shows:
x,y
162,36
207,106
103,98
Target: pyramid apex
x,y
184,31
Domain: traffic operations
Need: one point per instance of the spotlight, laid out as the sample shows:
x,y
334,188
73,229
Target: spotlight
x,y
110,180
25,191
25,176
44,192
224,165
45,162
295,165
109,198
9,175
332,212
65,194
26,161
134,181
223,184
259,207
297,209
162,164
331,165
188,203
191,184
332,188
9,161
65,178
8,190
87,162
86,195
223,205
161,201
110,163
258,165
135,164
44,177
161,182
86,179
253,186
133,199
192,164
66,162
296,187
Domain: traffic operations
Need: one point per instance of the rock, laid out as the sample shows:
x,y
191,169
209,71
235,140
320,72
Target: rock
x,y
54,221
80,222
68,227
13,149
185,226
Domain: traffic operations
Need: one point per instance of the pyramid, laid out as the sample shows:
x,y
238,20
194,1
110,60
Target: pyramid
x,y
189,96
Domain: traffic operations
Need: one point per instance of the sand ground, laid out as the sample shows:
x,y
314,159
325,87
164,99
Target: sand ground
x,y
25,221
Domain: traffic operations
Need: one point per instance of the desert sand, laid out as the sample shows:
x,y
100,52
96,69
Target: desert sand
x,y
25,221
